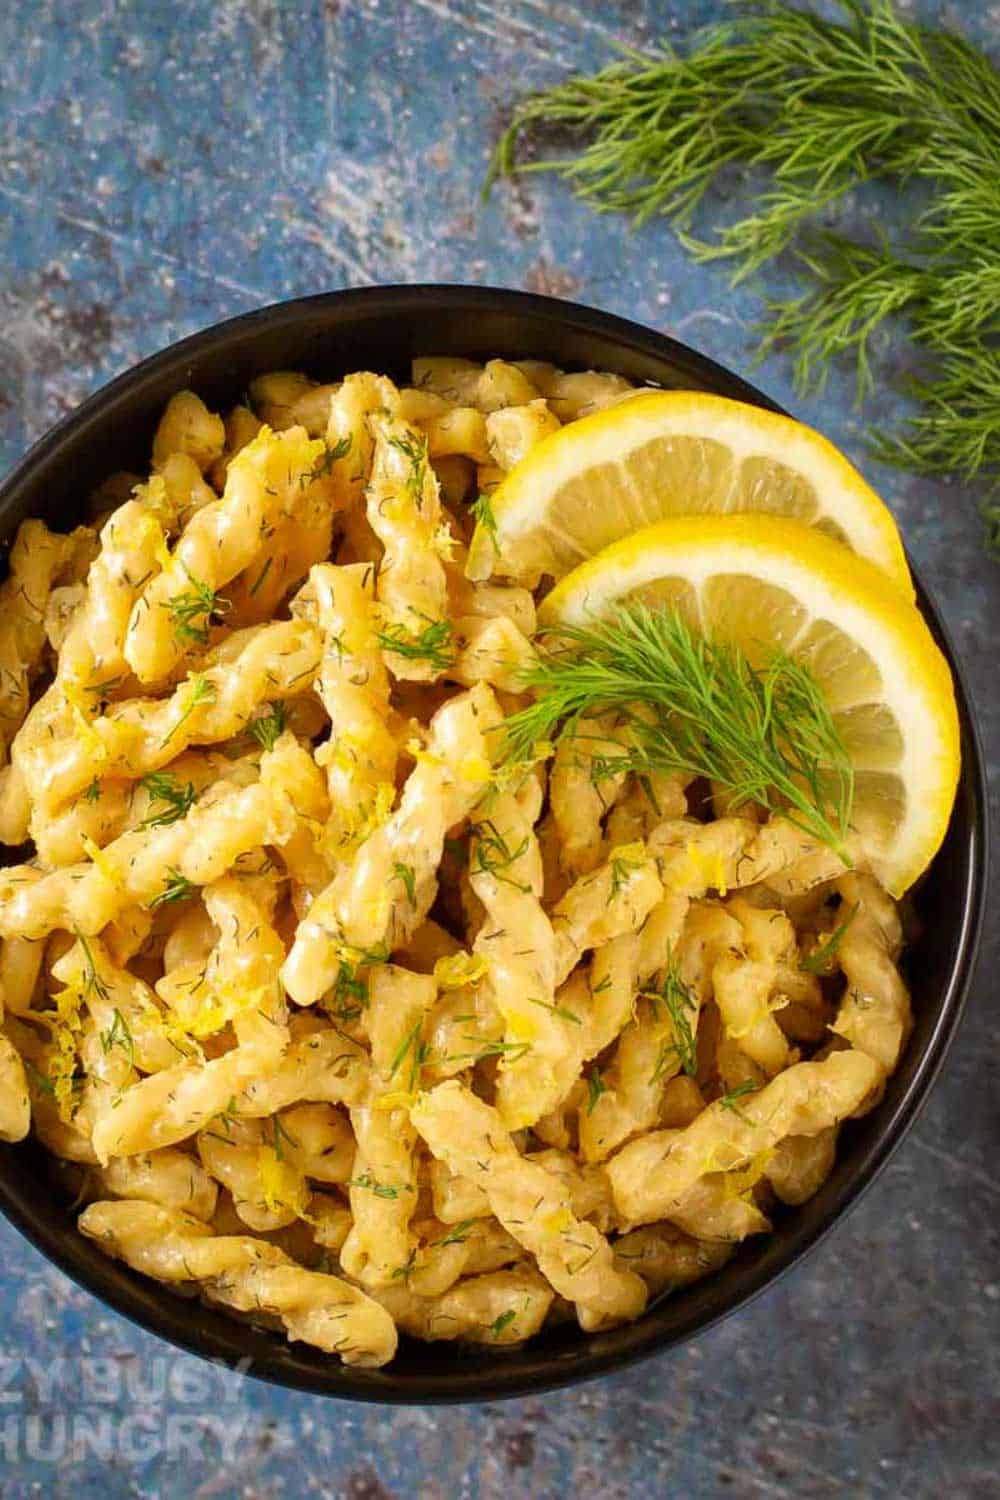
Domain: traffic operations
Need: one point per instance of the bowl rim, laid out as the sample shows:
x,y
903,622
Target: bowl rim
x,y
170,1319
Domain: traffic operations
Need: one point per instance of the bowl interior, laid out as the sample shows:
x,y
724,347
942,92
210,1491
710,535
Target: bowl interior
x,y
380,329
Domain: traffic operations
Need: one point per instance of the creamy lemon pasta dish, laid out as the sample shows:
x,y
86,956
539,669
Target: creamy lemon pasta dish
x,y
421,918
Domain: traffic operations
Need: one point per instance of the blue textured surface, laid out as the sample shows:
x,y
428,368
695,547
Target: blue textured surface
x,y
166,163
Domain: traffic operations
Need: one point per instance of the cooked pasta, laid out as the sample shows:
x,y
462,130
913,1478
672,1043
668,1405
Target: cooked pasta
x,y
344,1019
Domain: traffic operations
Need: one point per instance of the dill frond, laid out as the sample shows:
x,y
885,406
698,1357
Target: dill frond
x,y
700,707
821,106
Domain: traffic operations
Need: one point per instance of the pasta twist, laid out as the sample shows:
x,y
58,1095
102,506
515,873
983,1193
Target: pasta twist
x,y
383,894
269,477
531,1203
247,1274
519,946
142,735
380,1246
874,1015
404,511
651,1175
360,756
144,866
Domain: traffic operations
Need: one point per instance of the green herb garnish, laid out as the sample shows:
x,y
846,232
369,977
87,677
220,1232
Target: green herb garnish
x,y
380,1189
482,509
816,962
177,888
118,1035
595,1088
729,1101
503,1321
764,732
203,690
457,1235
433,644
178,800
405,874
679,1002
269,727
490,854
195,610
823,106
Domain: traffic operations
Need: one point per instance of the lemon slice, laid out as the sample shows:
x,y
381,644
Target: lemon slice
x,y
668,453
763,581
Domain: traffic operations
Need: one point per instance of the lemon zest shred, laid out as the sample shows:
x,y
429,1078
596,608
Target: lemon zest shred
x,y
102,863
457,970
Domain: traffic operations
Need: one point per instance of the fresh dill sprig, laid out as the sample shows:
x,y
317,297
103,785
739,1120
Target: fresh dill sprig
x,y
177,888
415,449
178,800
698,706
268,728
195,610
729,1101
406,875
118,1035
279,1136
324,464
433,644
595,1088
821,106
203,690
482,509
817,961
503,1321
410,1043
380,1189
676,998
490,854
457,1235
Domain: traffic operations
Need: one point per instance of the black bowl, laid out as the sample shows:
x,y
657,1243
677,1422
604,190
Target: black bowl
x,y
380,328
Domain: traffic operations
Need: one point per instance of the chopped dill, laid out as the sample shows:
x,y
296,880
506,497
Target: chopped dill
x,y
623,865
195,610
557,1010
279,1137
595,1088
433,644
324,464
268,728
118,1035
380,1189
490,854
411,1042
503,1321
177,888
817,961
93,983
178,800
406,875
676,997
457,1235
728,1101
203,690
415,449
93,791
482,509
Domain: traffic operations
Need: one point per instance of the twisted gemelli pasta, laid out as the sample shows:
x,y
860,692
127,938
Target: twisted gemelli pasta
x,y
246,1274
371,903
531,1203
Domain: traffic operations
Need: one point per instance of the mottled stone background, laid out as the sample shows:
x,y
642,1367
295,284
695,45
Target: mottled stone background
x,y
166,163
